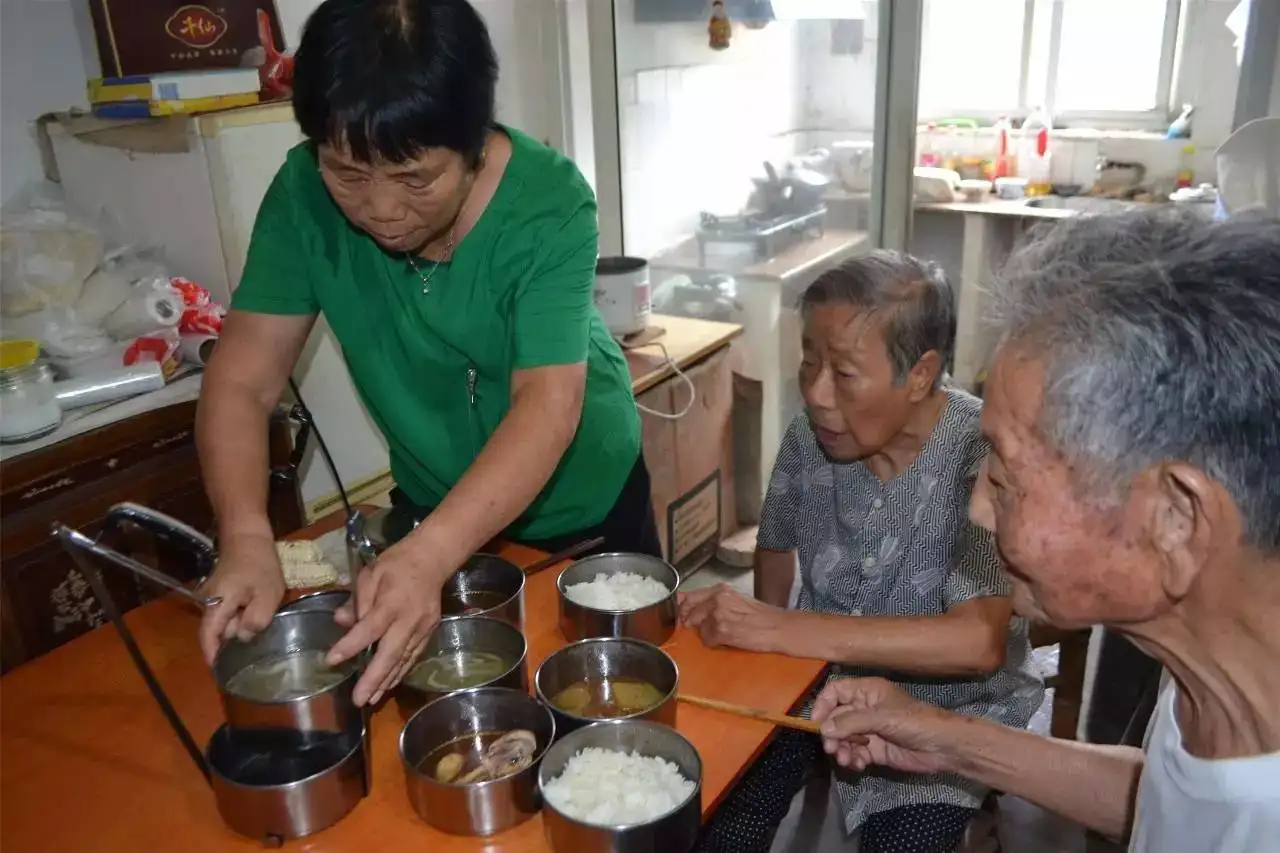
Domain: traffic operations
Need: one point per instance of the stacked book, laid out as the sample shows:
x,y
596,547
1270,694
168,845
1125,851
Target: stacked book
x,y
174,93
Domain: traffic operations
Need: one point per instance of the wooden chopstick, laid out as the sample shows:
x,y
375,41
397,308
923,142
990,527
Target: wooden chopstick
x,y
799,724
564,554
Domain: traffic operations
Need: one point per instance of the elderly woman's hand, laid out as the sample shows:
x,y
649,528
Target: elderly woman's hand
x,y
726,617
868,721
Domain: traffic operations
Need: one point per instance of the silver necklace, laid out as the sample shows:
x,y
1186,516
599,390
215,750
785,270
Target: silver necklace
x,y
427,275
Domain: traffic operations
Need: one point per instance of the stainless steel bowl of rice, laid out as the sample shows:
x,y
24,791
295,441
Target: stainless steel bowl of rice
x,y
618,595
621,786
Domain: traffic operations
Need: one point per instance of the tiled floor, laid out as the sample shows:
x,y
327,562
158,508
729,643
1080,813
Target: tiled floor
x,y
813,826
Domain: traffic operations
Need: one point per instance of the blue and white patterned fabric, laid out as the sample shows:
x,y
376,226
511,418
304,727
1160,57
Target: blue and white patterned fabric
x,y
900,548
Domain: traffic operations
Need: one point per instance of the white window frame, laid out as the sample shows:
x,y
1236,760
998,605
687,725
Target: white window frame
x,y
1157,118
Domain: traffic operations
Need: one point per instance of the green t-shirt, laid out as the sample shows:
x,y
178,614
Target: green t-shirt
x,y
434,370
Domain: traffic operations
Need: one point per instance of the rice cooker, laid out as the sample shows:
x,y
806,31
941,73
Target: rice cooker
x,y
622,294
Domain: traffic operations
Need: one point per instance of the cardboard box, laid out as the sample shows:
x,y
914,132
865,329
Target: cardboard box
x,y
138,37
690,461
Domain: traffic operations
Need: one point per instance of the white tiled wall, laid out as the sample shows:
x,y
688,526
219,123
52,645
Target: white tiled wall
x,y
696,124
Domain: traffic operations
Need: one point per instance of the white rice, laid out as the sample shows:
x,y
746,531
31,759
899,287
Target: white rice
x,y
620,591
608,788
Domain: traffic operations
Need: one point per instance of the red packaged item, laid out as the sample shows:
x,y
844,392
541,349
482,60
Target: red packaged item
x,y
160,348
201,315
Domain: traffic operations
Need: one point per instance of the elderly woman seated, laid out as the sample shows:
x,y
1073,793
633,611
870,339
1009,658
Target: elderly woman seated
x,y
870,490
1134,481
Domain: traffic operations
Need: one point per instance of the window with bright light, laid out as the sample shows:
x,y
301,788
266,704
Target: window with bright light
x,y
1111,61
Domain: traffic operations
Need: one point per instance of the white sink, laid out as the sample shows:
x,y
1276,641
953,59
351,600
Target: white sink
x,y
1081,203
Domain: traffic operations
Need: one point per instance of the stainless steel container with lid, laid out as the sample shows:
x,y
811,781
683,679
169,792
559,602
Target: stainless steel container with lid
x,y
28,403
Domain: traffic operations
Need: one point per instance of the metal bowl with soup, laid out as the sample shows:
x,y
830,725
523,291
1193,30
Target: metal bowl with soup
x,y
462,654
471,759
608,679
279,678
486,585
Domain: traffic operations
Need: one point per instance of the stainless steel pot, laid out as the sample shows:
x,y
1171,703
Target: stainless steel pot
x,y
276,785
328,710
469,634
597,659
653,624
490,575
674,832
482,808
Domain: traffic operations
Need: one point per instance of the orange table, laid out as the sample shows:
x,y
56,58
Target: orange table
x,y
87,762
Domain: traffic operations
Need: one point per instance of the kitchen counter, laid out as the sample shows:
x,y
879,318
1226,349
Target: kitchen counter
x,y
686,341
89,764
802,257
79,421
996,207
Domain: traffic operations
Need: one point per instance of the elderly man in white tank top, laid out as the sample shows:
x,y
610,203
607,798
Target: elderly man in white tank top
x,y
1134,481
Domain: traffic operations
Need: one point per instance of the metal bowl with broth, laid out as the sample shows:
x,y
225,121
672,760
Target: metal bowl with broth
x,y
279,678
485,586
613,678
654,623
450,737
462,654
676,831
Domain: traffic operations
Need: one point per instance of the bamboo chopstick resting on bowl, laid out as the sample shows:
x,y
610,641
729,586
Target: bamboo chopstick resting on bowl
x,y
785,720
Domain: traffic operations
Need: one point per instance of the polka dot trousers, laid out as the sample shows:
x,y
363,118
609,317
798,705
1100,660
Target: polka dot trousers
x,y
748,819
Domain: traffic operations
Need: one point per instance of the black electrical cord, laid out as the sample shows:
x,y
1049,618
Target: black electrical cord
x,y
302,413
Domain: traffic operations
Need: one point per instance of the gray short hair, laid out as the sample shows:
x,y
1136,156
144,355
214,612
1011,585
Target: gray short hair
x,y
915,295
1160,337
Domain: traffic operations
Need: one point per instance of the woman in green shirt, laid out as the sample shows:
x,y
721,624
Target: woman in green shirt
x,y
454,260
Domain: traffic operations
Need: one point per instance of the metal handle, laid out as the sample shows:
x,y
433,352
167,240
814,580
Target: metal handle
x,y
166,528
79,540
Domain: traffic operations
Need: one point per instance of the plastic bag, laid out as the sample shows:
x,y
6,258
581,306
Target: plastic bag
x,y
46,252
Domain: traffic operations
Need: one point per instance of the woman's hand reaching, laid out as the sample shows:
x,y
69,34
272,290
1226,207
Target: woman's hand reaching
x,y
399,606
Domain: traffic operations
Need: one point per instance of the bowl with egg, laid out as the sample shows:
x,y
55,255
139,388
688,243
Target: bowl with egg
x,y
621,786
608,679
465,653
618,595
471,759
486,585
279,678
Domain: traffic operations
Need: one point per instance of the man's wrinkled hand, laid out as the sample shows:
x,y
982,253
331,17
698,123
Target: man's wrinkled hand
x,y
870,721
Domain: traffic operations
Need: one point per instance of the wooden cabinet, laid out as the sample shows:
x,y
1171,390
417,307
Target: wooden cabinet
x,y
149,459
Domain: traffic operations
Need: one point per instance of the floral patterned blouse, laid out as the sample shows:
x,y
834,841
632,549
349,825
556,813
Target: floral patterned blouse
x,y
900,548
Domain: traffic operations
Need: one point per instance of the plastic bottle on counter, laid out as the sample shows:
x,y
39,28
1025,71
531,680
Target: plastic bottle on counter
x,y
1186,167
1034,159
951,149
1003,164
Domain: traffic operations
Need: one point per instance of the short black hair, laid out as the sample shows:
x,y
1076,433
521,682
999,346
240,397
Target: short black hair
x,y
392,78
915,295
